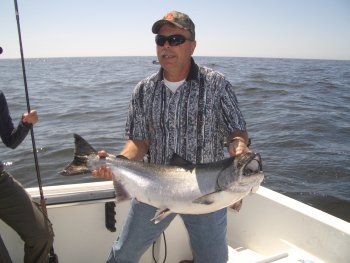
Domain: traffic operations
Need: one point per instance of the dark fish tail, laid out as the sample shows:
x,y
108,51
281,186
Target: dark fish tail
x,y
81,152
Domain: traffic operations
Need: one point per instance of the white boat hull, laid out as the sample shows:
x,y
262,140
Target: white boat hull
x,y
269,228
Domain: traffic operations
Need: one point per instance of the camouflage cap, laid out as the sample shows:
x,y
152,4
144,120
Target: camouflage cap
x,y
178,19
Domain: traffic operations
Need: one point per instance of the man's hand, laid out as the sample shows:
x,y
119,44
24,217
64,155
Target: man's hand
x,y
103,172
237,147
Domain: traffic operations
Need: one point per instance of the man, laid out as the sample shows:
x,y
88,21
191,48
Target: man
x,y
184,109
16,208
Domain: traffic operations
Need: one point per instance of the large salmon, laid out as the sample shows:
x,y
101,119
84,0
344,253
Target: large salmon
x,y
179,187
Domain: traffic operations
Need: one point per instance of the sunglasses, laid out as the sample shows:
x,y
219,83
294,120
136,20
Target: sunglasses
x,y
173,40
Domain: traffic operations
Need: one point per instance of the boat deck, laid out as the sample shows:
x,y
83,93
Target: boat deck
x,y
269,228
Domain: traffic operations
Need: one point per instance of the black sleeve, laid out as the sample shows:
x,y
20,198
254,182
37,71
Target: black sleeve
x,y
10,136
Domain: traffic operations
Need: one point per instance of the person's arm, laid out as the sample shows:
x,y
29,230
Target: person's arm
x,y
18,134
133,150
11,136
135,128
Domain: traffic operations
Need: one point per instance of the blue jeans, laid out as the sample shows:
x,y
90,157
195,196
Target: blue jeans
x,y
207,235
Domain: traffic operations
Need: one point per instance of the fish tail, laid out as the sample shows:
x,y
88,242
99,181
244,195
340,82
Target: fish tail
x,y
81,152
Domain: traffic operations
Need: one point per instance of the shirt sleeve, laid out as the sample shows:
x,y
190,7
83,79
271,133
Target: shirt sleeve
x,y
10,136
232,117
136,128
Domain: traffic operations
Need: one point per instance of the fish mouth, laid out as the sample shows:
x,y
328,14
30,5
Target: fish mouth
x,y
252,164
251,171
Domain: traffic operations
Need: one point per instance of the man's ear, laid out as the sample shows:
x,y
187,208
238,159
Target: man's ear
x,y
193,46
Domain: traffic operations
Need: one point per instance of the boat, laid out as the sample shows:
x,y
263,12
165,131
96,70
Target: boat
x,y
270,227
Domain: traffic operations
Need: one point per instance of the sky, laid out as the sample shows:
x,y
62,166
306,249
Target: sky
x,y
310,29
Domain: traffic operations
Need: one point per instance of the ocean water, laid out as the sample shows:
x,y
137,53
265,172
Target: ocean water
x,y
297,111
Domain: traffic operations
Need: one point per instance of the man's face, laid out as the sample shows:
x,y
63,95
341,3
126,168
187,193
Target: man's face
x,y
175,59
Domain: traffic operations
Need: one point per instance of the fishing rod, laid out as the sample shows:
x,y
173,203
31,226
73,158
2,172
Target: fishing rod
x,y
52,257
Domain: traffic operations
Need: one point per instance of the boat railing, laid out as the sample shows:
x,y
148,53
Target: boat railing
x,y
72,194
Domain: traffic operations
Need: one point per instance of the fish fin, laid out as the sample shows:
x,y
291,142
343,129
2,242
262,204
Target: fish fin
x,y
81,152
121,194
82,147
177,160
77,166
160,215
207,199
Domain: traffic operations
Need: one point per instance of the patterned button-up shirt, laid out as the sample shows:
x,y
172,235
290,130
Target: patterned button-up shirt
x,y
193,122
